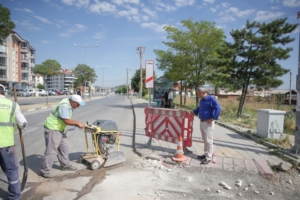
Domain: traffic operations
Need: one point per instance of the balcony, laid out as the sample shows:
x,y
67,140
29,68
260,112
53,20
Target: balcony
x,y
3,65
3,54
25,69
25,49
3,77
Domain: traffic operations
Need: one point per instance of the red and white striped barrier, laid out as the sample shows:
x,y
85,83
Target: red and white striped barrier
x,y
169,124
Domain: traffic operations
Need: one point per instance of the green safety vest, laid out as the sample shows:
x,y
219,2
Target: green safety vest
x,y
7,122
54,121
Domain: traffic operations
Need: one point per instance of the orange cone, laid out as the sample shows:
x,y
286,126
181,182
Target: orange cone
x,y
179,153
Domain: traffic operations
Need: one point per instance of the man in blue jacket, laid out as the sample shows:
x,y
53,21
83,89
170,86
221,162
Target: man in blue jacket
x,y
208,111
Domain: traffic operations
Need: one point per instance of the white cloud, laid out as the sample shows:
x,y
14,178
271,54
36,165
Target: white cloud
x,y
163,7
213,10
156,27
181,3
80,27
150,12
81,3
130,11
28,25
64,34
266,15
45,42
102,7
68,2
99,35
209,1
120,2
291,3
227,18
42,19
225,5
28,10
240,13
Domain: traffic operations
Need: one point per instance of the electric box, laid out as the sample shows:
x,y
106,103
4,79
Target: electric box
x,y
270,123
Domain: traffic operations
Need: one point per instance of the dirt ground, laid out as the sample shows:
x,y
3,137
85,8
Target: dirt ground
x,y
190,183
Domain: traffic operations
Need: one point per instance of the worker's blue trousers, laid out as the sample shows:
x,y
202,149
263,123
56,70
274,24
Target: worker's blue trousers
x,y
9,165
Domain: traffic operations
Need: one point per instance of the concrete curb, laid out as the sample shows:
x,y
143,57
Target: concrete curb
x,y
282,152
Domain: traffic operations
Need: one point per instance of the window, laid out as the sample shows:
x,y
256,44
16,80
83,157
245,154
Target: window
x,y
2,49
2,73
2,61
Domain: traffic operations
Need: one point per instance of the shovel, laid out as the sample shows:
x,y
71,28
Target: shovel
x,y
25,174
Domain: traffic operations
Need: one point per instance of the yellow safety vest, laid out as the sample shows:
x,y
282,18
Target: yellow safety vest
x,y
7,122
54,121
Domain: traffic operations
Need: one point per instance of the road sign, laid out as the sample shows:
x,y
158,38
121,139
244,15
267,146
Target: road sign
x,y
149,73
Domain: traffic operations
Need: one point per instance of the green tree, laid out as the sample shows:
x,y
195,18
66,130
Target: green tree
x,y
121,89
40,86
252,59
6,25
84,74
135,81
47,68
190,52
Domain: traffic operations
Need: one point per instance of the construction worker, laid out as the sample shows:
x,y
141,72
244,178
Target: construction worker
x,y
56,136
10,114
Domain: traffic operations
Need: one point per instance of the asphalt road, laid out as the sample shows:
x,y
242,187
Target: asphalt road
x,y
116,108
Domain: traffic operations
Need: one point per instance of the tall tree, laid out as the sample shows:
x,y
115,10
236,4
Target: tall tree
x,y
252,59
84,74
189,52
135,81
6,25
47,68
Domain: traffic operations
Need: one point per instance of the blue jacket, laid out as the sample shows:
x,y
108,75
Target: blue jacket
x,y
208,108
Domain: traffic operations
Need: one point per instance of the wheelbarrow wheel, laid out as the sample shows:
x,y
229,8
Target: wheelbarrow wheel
x,y
95,165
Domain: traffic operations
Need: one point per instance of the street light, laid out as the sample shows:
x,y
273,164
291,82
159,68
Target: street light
x,y
96,45
103,77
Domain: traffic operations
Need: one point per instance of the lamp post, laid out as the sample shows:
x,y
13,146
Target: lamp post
x,y
103,77
96,45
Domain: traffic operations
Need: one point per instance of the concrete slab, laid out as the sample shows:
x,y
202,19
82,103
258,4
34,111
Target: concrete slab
x,y
250,166
263,167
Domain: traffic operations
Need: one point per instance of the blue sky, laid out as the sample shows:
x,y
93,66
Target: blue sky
x,y
52,27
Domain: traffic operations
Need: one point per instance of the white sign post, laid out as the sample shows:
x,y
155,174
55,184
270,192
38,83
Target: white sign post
x,y
149,78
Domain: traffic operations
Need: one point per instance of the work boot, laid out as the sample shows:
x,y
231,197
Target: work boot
x,y
201,157
69,168
45,175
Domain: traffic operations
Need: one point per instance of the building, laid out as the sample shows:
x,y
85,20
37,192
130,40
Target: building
x,y
63,81
17,60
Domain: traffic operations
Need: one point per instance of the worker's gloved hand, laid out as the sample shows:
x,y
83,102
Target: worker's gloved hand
x,y
22,126
80,125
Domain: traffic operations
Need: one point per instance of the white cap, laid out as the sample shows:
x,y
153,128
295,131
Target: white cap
x,y
2,88
77,99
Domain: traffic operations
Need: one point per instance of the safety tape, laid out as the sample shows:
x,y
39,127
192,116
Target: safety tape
x,y
14,182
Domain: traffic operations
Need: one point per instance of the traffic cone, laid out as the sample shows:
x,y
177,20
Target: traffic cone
x,y
179,153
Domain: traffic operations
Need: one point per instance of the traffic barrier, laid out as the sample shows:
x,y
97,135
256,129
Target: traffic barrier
x,y
179,153
169,124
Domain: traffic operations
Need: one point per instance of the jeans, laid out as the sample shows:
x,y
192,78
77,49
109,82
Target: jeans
x,y
9,165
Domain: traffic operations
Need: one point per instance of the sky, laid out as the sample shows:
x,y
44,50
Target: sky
x,y
119,27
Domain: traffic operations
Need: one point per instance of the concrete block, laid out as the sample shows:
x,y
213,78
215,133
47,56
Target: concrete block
x,y
154,156
239,164
250,166
263,167
228,160
228,167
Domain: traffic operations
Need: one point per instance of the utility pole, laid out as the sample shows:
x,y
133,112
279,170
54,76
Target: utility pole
x,y
296,147
141,51
127,82
290,100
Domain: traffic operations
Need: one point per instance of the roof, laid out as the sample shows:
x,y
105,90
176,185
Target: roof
x,y
282,91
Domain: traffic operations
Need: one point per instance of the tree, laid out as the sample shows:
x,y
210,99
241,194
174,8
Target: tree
x,y
47,68
84,74
252,58
121,89
6,25
40,86
135,81
190,52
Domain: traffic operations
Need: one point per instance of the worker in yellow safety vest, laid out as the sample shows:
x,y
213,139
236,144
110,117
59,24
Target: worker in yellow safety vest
x,y
56,135
10,114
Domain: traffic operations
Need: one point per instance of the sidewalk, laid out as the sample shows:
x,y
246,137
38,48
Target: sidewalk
x,y
232,152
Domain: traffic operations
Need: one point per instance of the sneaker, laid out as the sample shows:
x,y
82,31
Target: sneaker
x,y
201,157
45,175
69,168
205,161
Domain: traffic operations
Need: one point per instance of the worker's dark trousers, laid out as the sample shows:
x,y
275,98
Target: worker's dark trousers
x,y
9,165
56,145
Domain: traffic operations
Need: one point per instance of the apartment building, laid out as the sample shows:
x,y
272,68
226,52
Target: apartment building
x,y
17,60
63,81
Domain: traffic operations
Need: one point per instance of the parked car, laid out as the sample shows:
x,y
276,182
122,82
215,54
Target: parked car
x,y
58,92
31,92
51,93
42,92
20,92
66,92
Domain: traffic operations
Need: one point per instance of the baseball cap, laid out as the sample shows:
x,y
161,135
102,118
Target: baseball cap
x,y
77,99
